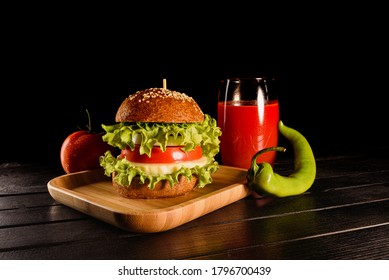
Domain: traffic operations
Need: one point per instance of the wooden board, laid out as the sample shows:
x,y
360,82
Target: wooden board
x,y
92,193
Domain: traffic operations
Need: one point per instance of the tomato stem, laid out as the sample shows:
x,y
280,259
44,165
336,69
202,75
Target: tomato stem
x,y
89,126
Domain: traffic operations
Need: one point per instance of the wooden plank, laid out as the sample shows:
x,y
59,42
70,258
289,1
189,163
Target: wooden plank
x,y
250,208
90,239
363,244
340,166
26,201
40,215
360,180
355,180
28,211
26,178
42,235
349,198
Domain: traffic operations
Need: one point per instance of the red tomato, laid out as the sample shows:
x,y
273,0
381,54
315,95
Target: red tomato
x,y
171,155
81,151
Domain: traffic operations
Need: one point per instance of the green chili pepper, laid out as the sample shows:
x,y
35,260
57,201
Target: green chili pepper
x,y
264,181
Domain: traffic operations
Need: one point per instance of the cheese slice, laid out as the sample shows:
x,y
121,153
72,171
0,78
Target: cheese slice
x,y
168,168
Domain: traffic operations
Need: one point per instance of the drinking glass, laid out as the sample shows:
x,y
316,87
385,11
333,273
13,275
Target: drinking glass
x,y
248,115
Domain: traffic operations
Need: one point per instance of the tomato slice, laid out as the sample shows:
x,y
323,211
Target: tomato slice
x,y
171,155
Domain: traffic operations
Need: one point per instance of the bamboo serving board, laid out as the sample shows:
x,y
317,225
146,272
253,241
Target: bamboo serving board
x,y
92,193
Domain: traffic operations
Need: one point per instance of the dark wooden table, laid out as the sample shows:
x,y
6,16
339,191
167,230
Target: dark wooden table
x,y
345,215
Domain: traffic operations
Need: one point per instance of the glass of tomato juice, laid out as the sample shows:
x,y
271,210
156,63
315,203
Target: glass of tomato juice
x,y
248,115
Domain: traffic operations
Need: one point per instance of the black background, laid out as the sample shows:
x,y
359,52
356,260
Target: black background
x,y
332,74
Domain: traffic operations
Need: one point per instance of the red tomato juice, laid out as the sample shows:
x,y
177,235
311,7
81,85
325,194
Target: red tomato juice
x,y
246,129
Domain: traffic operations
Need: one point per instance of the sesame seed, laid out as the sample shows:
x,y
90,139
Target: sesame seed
x,y
160,93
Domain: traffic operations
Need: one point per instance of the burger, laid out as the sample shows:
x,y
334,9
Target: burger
x,y
167,145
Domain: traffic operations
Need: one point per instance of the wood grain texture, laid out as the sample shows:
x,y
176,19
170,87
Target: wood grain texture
x,y
345,215
92,193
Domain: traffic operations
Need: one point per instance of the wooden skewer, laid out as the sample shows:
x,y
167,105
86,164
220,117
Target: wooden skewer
x,y
164,83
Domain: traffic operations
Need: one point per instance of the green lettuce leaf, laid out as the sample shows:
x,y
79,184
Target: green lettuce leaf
x,y
188,135
125,172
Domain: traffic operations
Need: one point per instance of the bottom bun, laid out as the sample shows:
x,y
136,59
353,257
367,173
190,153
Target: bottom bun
x,y
161,190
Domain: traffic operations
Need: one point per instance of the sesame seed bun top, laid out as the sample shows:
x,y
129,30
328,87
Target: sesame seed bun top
x,y
159,105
